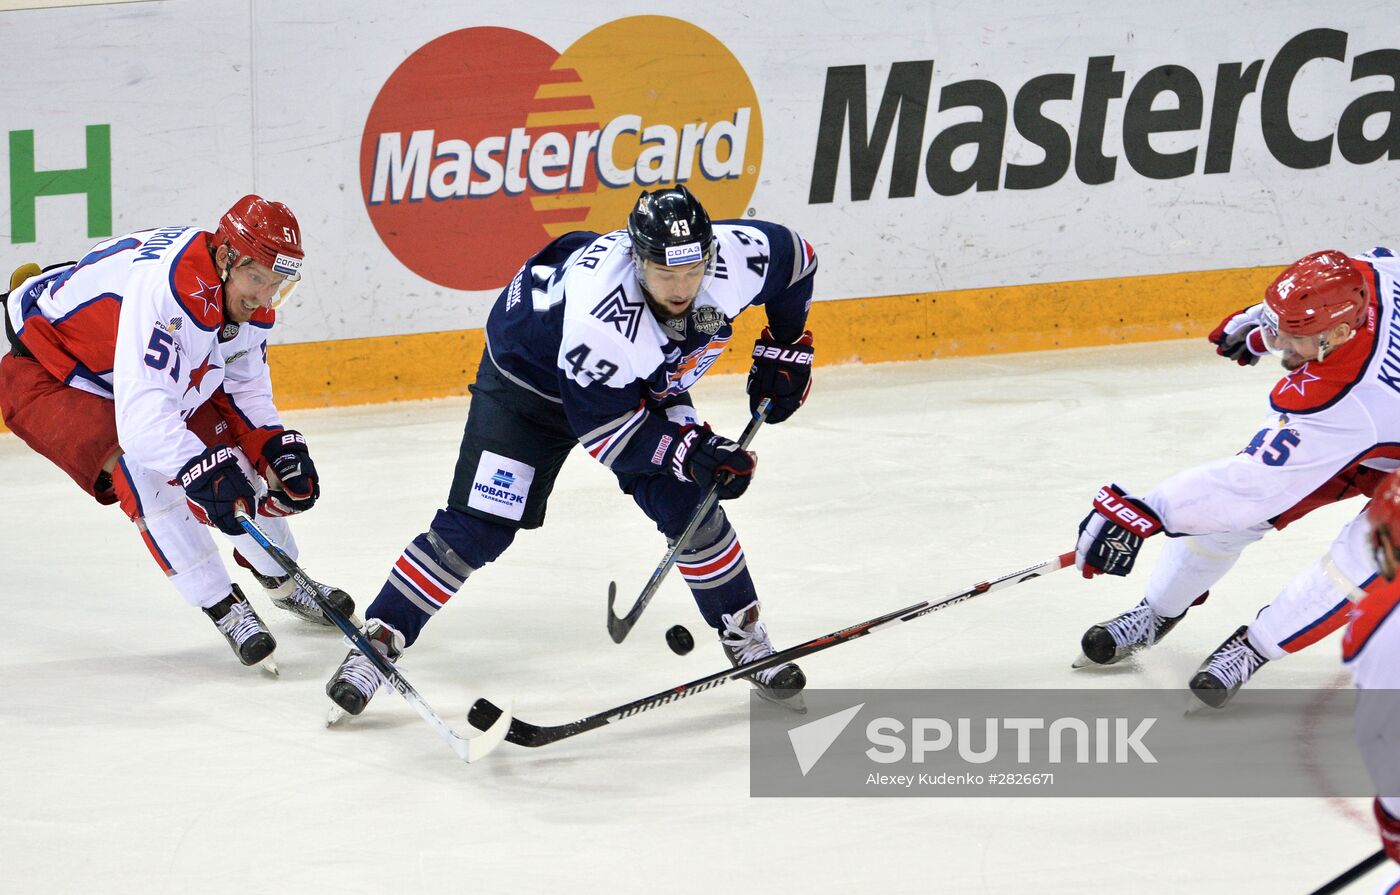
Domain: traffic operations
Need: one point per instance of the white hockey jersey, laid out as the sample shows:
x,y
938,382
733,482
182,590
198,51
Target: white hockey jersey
x,y
140,320
1327,419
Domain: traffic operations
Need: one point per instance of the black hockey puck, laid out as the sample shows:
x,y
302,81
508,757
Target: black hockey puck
x,y
679,640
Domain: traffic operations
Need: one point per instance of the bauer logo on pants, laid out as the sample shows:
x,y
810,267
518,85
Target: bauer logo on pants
x,y
501,486
485,143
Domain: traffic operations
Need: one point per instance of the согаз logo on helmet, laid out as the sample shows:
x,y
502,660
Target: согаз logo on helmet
x,y
486,142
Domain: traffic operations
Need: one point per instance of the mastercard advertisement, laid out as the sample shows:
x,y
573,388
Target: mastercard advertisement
x,y
487,142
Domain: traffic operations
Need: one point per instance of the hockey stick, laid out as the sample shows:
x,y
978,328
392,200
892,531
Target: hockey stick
x,y
469,748
484,714
1350,876
619,626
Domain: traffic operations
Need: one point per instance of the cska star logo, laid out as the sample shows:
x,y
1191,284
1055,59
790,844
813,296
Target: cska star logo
x,y
1298,380
198,373
207,295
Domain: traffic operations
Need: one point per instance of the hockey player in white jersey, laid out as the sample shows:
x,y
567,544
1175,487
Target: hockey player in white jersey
x,y
141,371
1331,432
596,341
1371,650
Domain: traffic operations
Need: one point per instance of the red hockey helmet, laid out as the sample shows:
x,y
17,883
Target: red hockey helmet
x,y
262,231
1317,292
1383,512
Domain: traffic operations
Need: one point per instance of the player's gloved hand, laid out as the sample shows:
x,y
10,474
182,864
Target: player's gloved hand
x,y
1112,534
1239,338
1390,831
215,487
293,487
706,458
781,372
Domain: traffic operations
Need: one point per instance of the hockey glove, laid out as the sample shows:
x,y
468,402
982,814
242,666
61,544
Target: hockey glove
x,y
705,458
215,487
1112,534
1390,831
781,373
1239,338
293,487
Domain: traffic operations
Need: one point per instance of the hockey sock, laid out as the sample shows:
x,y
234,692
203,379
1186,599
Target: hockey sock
x,y
716,571
433,567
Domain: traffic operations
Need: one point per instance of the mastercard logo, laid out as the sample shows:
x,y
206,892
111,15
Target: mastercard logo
x,y
486,143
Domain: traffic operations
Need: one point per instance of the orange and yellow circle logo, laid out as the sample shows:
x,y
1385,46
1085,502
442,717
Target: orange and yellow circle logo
x,y
485,143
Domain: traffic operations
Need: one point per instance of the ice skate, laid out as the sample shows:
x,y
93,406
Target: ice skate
x,y
287,594
745,639
356,680
1225,670
244,631
1114,640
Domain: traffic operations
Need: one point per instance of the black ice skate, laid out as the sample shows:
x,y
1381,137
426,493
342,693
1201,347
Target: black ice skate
x,y
244,631
1225,670
287,594
356,680
745,639
1114,640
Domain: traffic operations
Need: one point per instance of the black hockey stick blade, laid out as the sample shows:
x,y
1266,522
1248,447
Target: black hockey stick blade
x,y
620,626
1346,879
484,713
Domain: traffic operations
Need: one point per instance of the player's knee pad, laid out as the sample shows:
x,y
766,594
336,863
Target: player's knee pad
x,y
461,539
708,533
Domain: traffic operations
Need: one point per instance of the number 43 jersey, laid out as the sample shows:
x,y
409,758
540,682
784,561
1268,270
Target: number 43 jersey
x,y
574,327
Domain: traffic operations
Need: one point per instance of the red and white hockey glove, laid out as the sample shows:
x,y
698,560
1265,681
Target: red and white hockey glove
x,y
1112,534
705,458
1390,831
292,486
1239,337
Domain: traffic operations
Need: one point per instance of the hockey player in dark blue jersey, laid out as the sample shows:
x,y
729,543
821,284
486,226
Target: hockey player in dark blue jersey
x,y
596,341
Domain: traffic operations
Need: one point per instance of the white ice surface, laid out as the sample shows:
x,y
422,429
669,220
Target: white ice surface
x,y
137,756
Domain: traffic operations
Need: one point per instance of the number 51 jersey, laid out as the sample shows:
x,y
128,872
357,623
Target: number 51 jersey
x,y
573,326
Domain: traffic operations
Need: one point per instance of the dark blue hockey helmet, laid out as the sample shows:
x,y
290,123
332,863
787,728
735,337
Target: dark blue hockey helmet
x,y
670,227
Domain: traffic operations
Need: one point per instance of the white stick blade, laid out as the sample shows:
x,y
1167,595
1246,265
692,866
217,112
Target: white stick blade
x,y
479,746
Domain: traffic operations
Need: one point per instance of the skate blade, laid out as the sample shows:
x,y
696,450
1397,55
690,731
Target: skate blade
x,y
1196,706
268,666
1082,662
336,715
795,703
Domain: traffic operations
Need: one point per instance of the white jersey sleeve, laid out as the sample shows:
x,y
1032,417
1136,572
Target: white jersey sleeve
x,y
1285,462
248,379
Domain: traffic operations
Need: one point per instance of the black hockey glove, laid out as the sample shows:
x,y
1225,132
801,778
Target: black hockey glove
x,y
215,486
782,373
705,458
1112,534
295,487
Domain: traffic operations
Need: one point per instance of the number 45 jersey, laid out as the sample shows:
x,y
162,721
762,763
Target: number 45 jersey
x,y
1327,424
573,326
